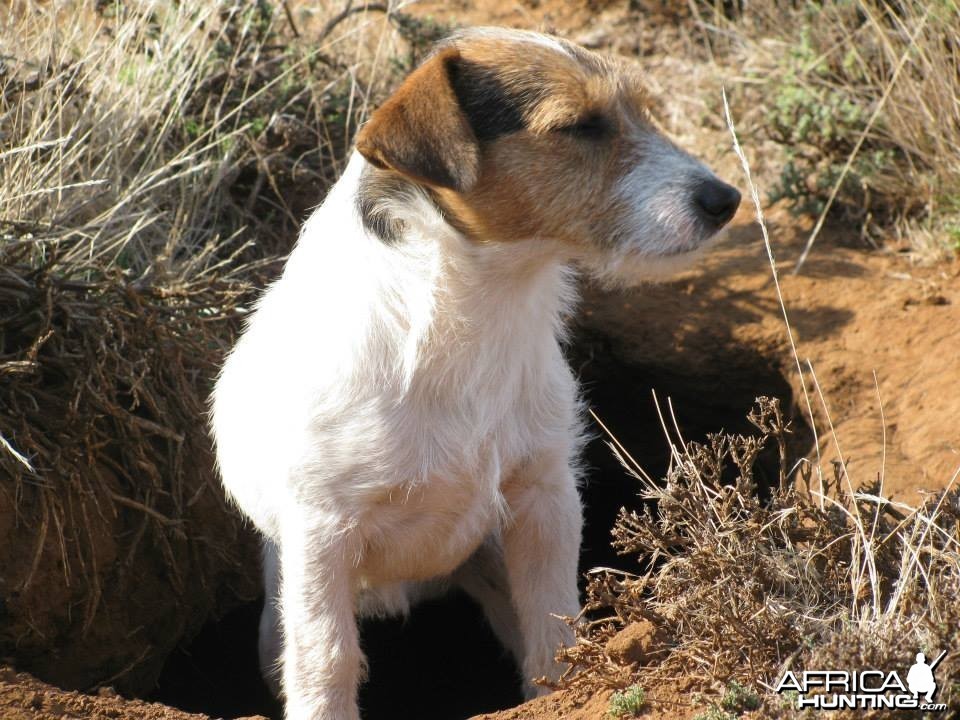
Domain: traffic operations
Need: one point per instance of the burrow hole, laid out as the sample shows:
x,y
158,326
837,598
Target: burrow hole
x,y
443,663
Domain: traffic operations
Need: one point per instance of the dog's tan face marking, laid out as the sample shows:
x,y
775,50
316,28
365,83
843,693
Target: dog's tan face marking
x,y
556,176
562,148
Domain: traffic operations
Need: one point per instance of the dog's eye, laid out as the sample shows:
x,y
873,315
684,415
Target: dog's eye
x,y
592,127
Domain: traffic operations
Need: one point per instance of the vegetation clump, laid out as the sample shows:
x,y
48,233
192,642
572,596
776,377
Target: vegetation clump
x,y
627,703
748,582
860,97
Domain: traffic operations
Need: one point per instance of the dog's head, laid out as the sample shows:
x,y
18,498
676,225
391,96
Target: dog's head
x,y
518,135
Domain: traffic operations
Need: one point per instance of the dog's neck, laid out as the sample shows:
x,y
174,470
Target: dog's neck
x,y
431,292
470,277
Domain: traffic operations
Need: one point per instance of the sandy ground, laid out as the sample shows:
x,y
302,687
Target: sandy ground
x,y
879,334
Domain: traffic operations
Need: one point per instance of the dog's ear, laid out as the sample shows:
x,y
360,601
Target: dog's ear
x,y
422,132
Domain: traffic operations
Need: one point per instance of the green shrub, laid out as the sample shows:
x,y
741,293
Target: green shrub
x,y
818,110
739,698
628,703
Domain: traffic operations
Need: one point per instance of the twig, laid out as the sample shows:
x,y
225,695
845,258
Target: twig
x,y
293,25
4,443
347,12
134,505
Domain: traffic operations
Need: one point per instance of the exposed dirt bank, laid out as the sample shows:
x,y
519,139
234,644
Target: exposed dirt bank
x,y
25,698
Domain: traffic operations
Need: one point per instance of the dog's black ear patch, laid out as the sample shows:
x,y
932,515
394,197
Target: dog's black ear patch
x,y
492,108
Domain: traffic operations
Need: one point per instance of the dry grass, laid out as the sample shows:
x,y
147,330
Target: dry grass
x,y
743,588
146,137
864,99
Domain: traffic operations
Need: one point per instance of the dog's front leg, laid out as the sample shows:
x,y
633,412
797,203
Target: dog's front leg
x,y
321,653
541,547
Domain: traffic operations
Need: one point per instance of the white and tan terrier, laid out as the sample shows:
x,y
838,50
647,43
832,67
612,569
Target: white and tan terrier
x,y
398,416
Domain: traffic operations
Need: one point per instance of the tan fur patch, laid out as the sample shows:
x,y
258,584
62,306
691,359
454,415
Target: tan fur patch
x,y
421,131
545,178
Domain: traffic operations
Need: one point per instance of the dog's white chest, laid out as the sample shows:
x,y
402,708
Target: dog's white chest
x,y
396,388
426,529
451,450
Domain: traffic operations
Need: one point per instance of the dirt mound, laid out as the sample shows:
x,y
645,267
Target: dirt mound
x,y
118,540
25,698
637,643
557,706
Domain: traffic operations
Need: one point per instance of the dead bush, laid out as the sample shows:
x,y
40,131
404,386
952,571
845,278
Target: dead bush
x,y
742,588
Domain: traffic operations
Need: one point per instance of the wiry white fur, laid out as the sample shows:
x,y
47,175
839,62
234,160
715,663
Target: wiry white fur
x,y
660,234
389,410
657,190
511,35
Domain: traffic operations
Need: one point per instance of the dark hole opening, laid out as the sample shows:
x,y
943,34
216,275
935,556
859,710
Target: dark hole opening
x,y
443,663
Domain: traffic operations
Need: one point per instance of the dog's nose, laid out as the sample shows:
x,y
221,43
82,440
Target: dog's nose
x,y
716,201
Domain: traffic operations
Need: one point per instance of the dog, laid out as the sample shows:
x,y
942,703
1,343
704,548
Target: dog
x,y
398,416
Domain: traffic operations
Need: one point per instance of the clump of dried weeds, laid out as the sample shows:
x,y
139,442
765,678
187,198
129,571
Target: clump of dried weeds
x,y
741,586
